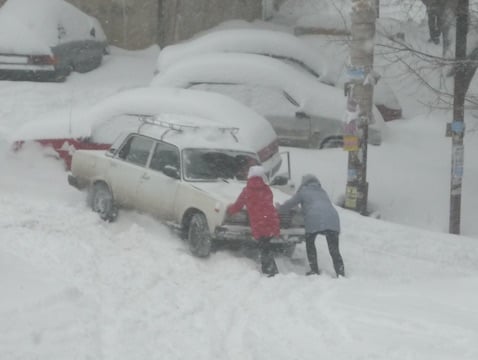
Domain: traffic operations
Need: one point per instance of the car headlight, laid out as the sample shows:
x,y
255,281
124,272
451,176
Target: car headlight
x,y
239,218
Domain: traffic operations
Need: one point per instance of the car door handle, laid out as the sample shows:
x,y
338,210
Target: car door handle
x,y
145,177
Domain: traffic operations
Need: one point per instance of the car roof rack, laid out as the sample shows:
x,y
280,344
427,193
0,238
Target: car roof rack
x,y
155,121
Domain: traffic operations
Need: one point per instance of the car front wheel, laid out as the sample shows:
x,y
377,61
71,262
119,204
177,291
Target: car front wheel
x,y
199,237
102,203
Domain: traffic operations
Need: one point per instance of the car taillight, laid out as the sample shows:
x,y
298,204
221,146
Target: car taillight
x,y
239,218
43,60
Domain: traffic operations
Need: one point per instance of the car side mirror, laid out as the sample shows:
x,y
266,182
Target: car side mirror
x,y
279,180
171,171
302,115
110,152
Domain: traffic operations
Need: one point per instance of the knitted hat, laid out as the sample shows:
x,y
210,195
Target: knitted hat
x,y
256,171
309,179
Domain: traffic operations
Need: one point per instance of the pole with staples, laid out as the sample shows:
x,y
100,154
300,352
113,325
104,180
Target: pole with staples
x,y
359,91
457,128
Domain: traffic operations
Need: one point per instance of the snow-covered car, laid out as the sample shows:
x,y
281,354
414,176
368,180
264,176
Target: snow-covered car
x,y
300,53
276,44
44,40
184,170
303,111
98,127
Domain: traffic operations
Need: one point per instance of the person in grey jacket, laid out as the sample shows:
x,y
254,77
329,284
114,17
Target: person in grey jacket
x,y
320,217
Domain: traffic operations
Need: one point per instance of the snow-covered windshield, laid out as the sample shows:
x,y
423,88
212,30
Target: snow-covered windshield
x,y
212,164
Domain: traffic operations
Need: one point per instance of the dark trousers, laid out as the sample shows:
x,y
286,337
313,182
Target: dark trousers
x,y
268,264
435,23
333,244
438,12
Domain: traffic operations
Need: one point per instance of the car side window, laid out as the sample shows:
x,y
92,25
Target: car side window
x,y
164,155
136,150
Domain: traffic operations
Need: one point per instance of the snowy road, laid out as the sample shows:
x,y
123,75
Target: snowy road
x,y
74,287
130,290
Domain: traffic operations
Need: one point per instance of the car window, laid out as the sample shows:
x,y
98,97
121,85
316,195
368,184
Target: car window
x,y
211,164
136,150
164,155
265,100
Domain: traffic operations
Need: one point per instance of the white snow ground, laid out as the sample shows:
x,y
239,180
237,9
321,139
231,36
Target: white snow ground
x,y
74,287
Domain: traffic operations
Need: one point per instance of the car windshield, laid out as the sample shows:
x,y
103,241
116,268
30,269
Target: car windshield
x,y
213,164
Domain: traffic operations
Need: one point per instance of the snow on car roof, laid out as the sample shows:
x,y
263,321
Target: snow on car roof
x,y
193,132
259,41
221,110
312,96
207,108
256,70
28,26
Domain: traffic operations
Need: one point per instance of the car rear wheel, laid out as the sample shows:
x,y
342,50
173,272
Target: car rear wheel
x,y
332,142
199,237
102,203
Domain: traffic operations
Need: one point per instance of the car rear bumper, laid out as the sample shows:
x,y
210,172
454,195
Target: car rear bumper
x,y
239,232
30,72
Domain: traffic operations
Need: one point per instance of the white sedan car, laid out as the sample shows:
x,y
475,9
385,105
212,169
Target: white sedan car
x,y
184,171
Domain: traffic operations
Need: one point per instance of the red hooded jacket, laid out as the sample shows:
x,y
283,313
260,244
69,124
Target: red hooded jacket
x,y
258,199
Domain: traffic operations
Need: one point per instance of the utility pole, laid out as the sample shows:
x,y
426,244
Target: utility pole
x,y
456,129
359,91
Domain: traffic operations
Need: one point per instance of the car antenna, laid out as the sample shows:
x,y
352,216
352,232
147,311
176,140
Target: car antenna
x,y
69,118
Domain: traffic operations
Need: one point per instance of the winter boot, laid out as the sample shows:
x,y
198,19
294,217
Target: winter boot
x,y
314,269
312,272
340,271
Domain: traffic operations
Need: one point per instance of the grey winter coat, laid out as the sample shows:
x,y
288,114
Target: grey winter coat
x,y
319,213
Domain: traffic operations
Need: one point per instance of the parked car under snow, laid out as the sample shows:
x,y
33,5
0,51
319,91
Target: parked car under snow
x,y
98,127
184,171
285,47
276,44
303,111
45,40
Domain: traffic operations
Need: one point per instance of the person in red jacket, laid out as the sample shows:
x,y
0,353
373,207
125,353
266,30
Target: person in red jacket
x,y
263,218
